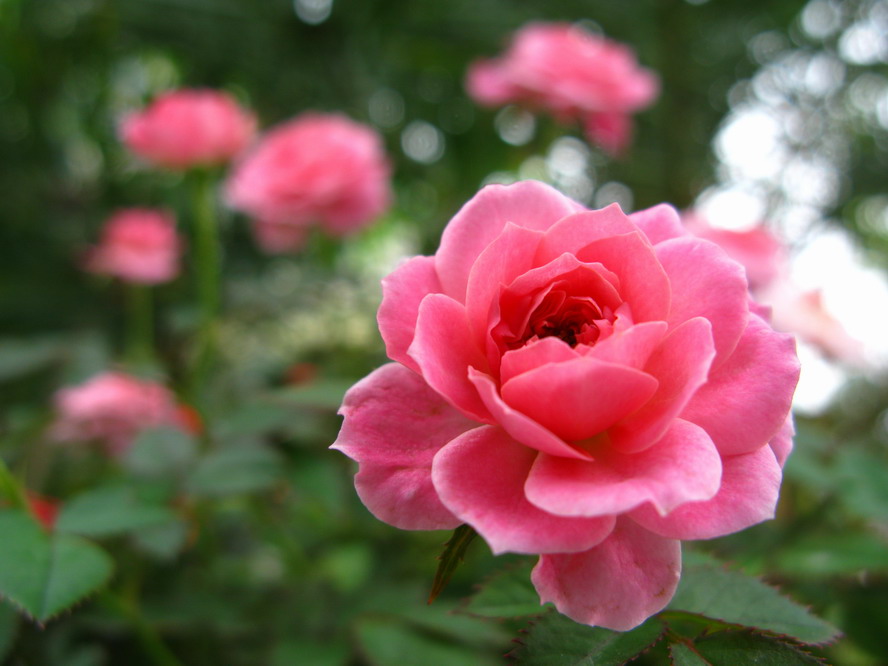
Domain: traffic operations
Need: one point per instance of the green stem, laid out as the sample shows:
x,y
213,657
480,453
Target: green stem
x,y
208,274
141,323
148,636
11,489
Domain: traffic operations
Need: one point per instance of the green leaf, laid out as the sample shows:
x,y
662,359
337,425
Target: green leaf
x,y
508,593
259,416
307,651
747,647
9,626
555,640
163,541
681,654
235,470
454,553
44,574
108,511
160,452
824,555
320,394
735,598
387,641
862,486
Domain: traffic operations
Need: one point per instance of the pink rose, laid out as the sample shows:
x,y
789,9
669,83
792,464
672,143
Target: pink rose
x,y
138,245
583,385
189,128
571,73
317,168
113,407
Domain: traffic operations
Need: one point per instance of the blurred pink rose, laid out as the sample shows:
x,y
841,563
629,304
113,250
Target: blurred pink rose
x,y
578,384
113,407
189,128
573,74
138,245
317,168
766,260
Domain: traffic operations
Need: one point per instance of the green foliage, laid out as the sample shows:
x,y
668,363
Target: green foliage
x,y
44,574
451,557
235,470
746,647
506,594
110,510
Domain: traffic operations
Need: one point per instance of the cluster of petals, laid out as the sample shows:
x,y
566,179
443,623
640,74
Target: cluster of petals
x,y
189,128
571,73
138,245
765,257
113,408
584,385
317,168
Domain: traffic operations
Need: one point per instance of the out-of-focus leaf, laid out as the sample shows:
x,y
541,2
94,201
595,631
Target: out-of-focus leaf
x,y
110,510
257,417
9,625
161,452
163,541
347,566
735,598
746,647
555,640
44,574
235,470
828,556
321,394
863,484
387,641
305,651
681,654
508,593
20,357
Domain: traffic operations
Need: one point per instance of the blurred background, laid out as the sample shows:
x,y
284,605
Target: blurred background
x,y
771,112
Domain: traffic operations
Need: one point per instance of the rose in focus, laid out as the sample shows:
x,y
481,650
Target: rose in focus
x,y
584,385
571,73
318,168
189,128
113,408
138,245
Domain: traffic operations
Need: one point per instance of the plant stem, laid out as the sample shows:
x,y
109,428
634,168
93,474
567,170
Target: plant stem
x,y
148,636
208,274
11,489
141,323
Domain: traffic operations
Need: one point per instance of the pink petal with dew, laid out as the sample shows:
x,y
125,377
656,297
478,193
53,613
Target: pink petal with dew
x,y
524,429
618,584
681,365
745,401
394,424
659,223
581,398
480,478
706,282
684,466
402,292
529,204
748,495
444,351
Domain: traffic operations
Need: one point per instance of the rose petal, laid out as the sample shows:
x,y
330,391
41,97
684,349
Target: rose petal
x,y
534,355
745,402
684,466
444,351
480,478
529,204
394,480
618,584
706,282
681,365
581,398
525,430
631,347
659,223
574,232
402,292
781,444
748,495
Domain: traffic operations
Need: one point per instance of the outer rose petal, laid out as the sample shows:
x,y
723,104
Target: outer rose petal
x,y
487,85
444,351
480,477
573,233
706,283
746,400
618,584
681,365
683,466
402,292
659,223
748,495
395,479
529,204
781,445
631,347
534,355
579,399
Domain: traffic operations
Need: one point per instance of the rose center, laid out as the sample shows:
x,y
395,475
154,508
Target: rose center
x,y
573,319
